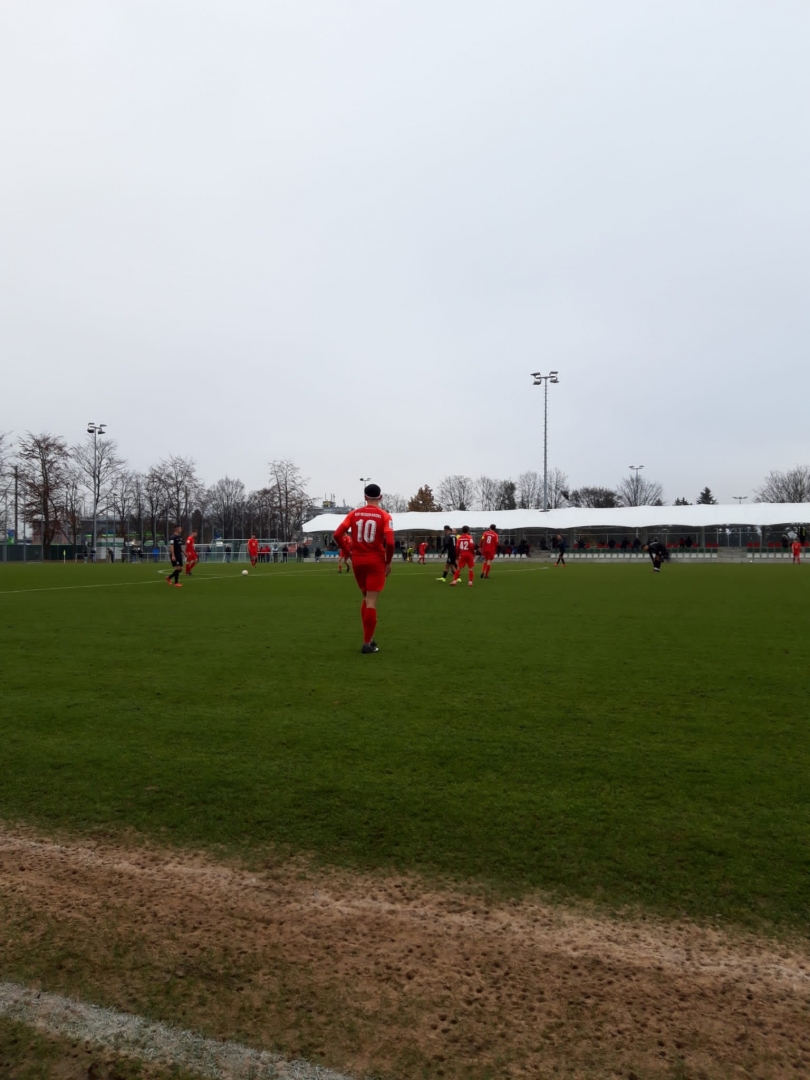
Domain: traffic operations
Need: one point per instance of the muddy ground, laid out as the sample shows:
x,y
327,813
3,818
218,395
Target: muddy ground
x,y
384,977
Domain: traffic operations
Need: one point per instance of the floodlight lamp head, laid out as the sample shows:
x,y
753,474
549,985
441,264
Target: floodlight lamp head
x,y
91,429
538,378
101,428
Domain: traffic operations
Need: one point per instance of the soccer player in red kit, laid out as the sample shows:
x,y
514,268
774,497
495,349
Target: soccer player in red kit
x,y
191,553
422,552
253,550
796,551
489,546
465,549
371,550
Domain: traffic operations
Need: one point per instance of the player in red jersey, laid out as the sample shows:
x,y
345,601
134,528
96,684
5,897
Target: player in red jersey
x,y
253,550
422,552
796,551
489,546
343,560
465,549
371,550
191,553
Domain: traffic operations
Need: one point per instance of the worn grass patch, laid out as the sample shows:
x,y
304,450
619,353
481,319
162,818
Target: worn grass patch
x,y
596,732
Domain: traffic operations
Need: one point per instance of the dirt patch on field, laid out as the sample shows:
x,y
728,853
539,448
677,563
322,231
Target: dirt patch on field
x,y
377,976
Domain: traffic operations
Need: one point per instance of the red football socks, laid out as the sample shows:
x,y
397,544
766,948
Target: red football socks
x,y
369,622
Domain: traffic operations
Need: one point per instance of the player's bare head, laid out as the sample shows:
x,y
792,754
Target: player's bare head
x,y
447,528
465,528
492,527
178,530
372,492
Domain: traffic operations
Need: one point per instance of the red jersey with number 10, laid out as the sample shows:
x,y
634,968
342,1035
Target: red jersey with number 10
x,y
372,534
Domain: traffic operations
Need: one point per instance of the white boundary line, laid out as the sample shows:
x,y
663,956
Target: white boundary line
x,y
156,1043
132,584
219,577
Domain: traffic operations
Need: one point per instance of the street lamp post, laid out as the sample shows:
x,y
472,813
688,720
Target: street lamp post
x,y
95,430
544,380
364,480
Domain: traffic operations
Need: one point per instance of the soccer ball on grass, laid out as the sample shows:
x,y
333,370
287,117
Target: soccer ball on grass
x,y
244,573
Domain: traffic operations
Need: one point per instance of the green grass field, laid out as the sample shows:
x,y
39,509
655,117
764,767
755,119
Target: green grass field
x,y
593,732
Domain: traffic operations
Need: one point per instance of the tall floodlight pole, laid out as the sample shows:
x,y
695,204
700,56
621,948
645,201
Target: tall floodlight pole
x,y
544,380
635,469
740,499
364,480
95,430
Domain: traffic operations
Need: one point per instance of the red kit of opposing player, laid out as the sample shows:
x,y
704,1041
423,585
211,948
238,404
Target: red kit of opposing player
x,y
489,549
253,550
366,536
191,553
465,549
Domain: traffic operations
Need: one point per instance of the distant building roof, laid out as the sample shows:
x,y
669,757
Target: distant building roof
x,y
626,517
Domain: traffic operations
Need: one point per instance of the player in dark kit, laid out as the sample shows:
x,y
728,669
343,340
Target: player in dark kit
x,y
450,556
176,557
658,554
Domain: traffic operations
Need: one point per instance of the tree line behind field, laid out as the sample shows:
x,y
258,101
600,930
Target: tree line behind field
x,y
57,487
485,493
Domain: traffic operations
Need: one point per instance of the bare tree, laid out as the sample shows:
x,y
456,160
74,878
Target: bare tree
x,y
288,498
182,487
486,493
225,501
530,491
595,497
99,464
121,501
457,493
557,489
5,481
139,502
73,502
637,490
395,504
155,498
792,486
44,468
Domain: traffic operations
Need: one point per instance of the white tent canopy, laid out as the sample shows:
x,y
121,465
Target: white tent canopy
x,y
584,518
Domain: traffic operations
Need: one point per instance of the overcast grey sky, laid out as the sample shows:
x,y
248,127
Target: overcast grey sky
x,y
346,232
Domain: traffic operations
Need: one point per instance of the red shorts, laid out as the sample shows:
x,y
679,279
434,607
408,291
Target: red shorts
x,y
466,561
370,576
488,555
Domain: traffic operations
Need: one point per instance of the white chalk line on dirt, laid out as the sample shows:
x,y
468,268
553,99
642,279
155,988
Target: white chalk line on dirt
x,y
155,1043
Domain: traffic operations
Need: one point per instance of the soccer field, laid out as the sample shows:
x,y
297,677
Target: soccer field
x,y
594,732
